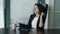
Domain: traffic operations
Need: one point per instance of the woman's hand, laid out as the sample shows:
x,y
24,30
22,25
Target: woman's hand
x,y
42,14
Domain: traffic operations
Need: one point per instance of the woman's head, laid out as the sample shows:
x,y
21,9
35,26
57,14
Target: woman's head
x,y
38,8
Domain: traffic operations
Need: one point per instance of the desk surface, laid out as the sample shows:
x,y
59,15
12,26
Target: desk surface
x,y
33,31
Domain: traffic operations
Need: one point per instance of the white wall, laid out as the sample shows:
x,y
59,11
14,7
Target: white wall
x,y
21,9
50,13
1,14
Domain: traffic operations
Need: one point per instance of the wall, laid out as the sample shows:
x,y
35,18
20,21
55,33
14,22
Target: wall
x,y
50,13
56,22
54,14
41,1
1,14
7,13
21,9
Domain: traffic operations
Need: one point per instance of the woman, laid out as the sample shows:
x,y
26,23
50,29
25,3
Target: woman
x,y
37,19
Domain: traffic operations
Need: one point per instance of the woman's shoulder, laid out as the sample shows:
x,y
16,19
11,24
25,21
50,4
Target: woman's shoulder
x,y
32,14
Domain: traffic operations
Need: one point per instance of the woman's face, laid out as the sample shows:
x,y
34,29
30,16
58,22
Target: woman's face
x,y
36,9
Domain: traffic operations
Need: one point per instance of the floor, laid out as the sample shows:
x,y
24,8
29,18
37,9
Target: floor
x,y
33,31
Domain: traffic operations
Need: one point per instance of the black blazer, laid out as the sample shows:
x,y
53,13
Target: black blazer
x,y
32,17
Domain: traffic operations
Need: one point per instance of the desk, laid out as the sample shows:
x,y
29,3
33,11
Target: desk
x,y
33,31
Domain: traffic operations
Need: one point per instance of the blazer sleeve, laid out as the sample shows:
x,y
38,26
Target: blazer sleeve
x,y
44,18
29,21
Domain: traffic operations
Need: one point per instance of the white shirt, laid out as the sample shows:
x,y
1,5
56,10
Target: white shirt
x,y
34,22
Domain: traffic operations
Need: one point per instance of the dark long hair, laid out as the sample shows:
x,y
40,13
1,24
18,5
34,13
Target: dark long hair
x,y
40,7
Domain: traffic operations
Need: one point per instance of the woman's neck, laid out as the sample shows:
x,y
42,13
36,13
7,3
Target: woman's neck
x,y
37,15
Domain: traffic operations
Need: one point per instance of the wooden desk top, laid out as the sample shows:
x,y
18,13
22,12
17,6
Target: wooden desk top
x,y
33,31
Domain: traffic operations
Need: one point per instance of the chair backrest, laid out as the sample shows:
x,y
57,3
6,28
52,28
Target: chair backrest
x,y
45,7
45,11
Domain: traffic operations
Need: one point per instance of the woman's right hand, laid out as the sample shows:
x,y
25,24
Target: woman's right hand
x,y
42,14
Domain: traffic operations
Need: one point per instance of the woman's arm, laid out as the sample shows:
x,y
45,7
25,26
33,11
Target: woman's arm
x,y
41,20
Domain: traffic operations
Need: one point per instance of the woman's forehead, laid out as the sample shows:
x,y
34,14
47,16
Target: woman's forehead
x,y
36,6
